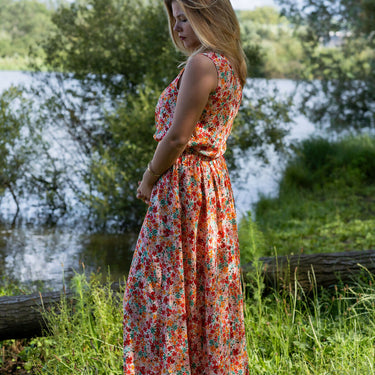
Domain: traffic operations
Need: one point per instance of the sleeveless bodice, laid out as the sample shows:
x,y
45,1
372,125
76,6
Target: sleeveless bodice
x,y
215,124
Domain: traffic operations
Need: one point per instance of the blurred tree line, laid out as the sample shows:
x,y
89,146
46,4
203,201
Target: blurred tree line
x,y
268,38
279,50
89,118
23,24
338,42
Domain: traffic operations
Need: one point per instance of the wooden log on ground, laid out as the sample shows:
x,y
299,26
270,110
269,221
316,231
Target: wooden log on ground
x,y
321,270
21,316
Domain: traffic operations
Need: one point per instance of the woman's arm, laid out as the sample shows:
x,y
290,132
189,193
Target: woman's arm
x,y
197,82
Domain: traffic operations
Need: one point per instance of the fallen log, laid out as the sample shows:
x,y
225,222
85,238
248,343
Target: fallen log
x,y
307,271
21,316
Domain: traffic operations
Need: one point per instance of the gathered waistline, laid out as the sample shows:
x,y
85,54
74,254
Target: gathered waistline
x,y
192,151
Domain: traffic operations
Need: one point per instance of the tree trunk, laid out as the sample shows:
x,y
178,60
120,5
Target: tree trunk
x,y
21,316
308,270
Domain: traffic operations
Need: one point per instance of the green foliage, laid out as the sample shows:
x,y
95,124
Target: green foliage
x,y
255,56
344,67
325,202
86,332
265,15
326,333
111,48
285,55
28,168
121,160
24,23
13,144
120,56
287,331
19,63
114,58
263,121
251,239
270,46
318,161
124,43
11,288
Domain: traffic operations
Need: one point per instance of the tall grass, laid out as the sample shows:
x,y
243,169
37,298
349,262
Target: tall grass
x,y
318,162
85,332
324,332
326,203
328,332
290,333
287,332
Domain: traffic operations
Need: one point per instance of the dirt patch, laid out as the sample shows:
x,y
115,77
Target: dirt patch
x,y
11,361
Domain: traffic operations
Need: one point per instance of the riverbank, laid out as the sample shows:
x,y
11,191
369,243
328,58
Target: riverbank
x,y
326,200
325,204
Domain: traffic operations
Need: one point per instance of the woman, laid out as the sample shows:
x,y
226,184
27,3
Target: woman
x,y
183,308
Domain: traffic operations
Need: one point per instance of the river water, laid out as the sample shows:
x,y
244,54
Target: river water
x,y
41,255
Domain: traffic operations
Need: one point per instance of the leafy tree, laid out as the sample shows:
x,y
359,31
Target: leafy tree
x,y
272,49
113,58
12,158
346,70
265,15
120,56
123,42
262,123
119,163
254,51
23,24
27,167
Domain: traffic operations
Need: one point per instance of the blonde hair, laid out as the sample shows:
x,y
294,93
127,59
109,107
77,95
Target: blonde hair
x,y
216,26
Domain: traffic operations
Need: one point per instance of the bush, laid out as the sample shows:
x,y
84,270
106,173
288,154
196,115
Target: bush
x,y
318,162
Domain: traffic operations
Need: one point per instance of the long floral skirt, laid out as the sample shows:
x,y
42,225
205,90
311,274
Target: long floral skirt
x,y
183,307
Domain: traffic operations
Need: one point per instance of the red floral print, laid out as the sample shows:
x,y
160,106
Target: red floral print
x,y
183,307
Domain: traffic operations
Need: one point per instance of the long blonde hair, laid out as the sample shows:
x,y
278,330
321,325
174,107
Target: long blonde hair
x,y
216,26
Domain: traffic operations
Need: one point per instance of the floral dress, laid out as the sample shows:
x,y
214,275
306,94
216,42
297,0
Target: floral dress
x,y
183,307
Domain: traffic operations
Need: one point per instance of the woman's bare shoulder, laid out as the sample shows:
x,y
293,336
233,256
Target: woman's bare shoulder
x,y
199,67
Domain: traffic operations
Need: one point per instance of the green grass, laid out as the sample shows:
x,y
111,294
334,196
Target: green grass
x,y
326,203
323,334
85,332
286,333
331,220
